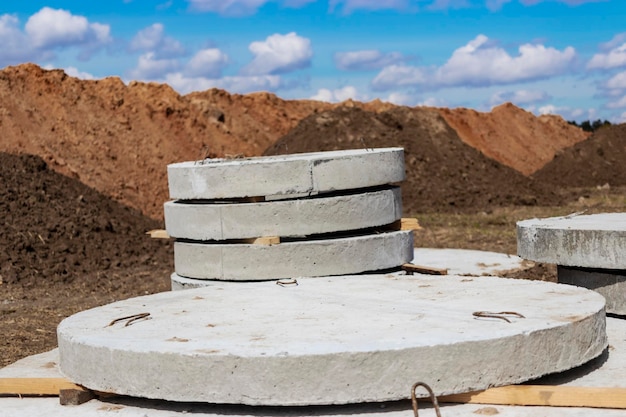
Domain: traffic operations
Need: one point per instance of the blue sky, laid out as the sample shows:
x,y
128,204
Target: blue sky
x,y
566,57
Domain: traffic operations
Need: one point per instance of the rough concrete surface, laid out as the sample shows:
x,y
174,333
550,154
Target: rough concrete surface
x,y
306,173
607,370
470,262
589,241
332,340
611,284
252,262
285,218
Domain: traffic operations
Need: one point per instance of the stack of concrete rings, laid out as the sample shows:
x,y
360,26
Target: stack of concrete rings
x,y
326,208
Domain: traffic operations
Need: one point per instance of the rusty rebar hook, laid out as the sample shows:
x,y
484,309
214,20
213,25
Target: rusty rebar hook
x,y
433,398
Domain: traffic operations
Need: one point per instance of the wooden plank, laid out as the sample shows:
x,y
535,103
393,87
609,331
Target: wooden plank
x,y
36,386
158,234
544,395
421,269
409,224
405,223
265,240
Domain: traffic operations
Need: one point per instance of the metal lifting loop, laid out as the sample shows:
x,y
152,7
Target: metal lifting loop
x,y
433,398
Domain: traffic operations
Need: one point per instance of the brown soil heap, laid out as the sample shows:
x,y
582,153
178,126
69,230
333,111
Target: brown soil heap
x,y
443,173
119,138
599,160
514,136
56,229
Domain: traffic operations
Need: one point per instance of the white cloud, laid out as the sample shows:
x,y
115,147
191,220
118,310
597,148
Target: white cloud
x,y
74,72
401,99
348,6
365,60
340,94
149,67
617,104
615,42
16,47
433,102
50,28
480,64
153,39
228,7
519,97
237,84
617,82
614,58
395,76
279,54
207,63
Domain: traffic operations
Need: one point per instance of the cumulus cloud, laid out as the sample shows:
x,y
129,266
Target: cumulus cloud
x,y
50,28
617,82
348,6
279,54
480,63
519,97
16,47
365,60
153,39
47,31
613,58
75,72
149,67
337,95
207,63
617,104
433,102
401,99
237,8
395,76
234,84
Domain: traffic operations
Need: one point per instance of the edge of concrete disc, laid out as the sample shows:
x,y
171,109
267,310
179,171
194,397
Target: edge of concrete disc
x,y
298,174
332,340
590,241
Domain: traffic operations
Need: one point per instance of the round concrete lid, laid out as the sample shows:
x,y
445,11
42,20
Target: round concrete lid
x,y
590,241
313,257
332,340
284,218
289,175
470,262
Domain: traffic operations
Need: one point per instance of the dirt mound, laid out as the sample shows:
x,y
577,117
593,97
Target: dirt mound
x,y
119,138
594,162
514,136
443,173
58,230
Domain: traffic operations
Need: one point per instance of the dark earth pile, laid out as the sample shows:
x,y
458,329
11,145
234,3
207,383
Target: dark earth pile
x,y
443,173
56,229
64,248
599,160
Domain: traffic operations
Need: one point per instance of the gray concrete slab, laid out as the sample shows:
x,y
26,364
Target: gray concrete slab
x,y
456,261
470,262
332,340
589,241
611,284
250,262
286,218
298,174
605,371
